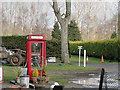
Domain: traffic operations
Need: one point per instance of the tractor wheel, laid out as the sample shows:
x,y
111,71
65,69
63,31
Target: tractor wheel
x,y
15,59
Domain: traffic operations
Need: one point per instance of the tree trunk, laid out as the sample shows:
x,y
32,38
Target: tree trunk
x,y
64,42
64,29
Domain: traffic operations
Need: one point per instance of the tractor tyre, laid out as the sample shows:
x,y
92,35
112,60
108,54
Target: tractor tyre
x,y
15,59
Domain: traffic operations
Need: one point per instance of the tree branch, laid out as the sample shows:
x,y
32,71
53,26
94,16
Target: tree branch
x,y
56,11
68,9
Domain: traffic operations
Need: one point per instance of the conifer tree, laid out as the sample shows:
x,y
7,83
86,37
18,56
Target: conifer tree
x,y
56,33
73,31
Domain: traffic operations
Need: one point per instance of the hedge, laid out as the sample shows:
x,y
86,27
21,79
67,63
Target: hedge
x,y
107,48
13,42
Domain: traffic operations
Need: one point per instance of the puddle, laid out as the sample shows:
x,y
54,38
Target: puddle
x,y
91,74
93,82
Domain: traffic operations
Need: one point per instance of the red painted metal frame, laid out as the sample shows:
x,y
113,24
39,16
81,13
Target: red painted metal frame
x,y
28,54
2,75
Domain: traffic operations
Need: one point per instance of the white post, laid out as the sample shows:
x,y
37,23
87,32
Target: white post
x,y
79,56
84,58
79,47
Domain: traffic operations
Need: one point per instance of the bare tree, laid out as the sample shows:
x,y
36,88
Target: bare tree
x,y
105,32
64,28
117,21
88,21
5,23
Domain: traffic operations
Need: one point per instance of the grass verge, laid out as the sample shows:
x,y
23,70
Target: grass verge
x,y
75,59
66,67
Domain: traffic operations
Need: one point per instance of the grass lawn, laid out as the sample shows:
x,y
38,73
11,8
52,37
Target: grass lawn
x,y
66,67
75,59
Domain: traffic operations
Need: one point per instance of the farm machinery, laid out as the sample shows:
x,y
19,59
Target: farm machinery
x,y
14,57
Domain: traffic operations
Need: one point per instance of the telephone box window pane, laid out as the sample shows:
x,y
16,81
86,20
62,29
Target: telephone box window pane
x,y
36,55
36,47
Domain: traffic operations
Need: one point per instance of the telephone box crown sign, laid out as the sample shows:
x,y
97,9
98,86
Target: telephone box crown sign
x,y
35,37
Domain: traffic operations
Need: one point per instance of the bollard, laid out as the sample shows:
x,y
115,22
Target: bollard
x,y
79,47
84,58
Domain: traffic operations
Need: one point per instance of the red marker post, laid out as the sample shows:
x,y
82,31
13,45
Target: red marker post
x,y
87,60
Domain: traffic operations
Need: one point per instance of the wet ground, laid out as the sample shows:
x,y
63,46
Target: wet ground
x,y
91,80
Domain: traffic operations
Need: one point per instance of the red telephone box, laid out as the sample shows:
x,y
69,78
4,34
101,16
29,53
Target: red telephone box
x,y
35,53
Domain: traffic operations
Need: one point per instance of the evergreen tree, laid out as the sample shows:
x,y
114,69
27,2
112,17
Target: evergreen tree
x,y
73,30
56,33
114,35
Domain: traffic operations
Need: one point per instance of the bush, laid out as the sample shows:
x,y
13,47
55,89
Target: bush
x,y
107,48
54,48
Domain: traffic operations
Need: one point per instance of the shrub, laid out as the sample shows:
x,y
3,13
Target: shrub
x,y
107,48
54,48
35,73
